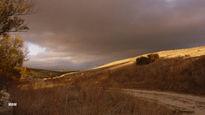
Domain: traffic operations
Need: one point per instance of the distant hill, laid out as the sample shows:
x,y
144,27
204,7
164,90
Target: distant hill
x,y
40,73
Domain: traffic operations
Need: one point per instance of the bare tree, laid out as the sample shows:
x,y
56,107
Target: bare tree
x,y
11,15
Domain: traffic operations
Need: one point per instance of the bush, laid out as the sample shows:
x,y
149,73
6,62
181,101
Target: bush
x,y
153,57
21,72
147,60
143,61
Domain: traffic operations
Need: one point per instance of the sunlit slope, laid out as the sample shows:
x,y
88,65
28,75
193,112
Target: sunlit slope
x,y
177,70
191,52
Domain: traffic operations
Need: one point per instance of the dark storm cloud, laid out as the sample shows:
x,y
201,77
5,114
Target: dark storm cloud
x,y
92,32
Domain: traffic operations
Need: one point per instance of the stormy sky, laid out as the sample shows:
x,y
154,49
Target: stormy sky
x,y
81,34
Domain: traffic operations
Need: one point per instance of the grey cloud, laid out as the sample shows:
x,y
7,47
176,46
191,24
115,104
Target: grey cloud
x,y
95,32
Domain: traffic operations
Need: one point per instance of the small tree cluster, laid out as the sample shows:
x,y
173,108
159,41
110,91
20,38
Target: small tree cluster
x,y
147,60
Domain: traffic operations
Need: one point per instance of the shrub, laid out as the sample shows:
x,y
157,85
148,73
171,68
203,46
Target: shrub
x,y
21,72
147,60
143,61
153,57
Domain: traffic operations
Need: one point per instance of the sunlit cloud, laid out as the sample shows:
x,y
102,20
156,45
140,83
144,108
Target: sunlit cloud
x,y
34,49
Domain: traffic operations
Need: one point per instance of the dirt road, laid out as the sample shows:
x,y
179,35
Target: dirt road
x,y
181,103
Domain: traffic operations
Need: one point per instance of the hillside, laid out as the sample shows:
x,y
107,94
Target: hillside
x,y
191,52
176,70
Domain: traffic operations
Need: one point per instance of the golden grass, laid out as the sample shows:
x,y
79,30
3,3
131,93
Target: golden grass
x,y
192,52
81,101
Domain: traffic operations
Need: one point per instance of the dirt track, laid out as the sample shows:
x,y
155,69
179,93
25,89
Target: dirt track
x,y
181,103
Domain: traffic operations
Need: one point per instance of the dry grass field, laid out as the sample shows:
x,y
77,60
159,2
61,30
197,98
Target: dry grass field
x,y
82,101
